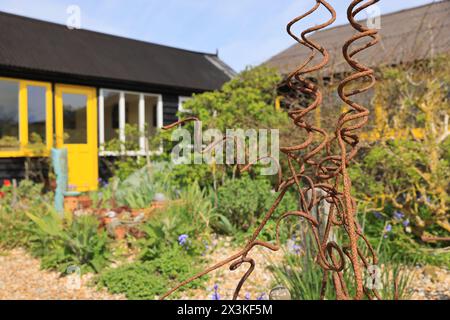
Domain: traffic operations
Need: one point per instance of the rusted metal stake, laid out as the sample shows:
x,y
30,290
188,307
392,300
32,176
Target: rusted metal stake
x,y
330,183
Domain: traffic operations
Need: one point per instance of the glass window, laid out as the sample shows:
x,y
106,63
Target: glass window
x,y
150,114
111,121
36,114
9,115
75,118
132,121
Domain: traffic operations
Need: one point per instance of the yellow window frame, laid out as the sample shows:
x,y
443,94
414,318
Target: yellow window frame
x,y
24,149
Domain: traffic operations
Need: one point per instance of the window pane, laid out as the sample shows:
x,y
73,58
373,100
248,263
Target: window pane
x,y
9,115
111,103
150,114
36,114
132,121
75,118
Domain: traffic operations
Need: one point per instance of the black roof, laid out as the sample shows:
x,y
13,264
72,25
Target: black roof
x,y
35,46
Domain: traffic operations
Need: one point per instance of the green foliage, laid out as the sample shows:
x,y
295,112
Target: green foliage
x,y
14,223
243,201
61,242
151,278
247,101
137,191
407,172
302,276
164,259
398,245
190,215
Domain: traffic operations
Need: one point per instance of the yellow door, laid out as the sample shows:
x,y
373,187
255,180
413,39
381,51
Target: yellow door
x,y
76,130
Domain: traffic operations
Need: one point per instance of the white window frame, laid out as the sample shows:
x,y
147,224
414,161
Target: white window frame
x,y
181,101
122,120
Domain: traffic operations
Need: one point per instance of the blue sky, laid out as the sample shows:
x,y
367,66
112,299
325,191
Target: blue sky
x,y
246,32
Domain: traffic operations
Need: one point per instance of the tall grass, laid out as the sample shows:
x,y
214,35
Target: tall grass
x,y
302,276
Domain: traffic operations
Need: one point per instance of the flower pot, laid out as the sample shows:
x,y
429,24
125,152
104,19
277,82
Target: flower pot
x,y
84,202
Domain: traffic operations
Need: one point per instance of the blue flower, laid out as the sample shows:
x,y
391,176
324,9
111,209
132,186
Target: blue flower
x,y
378,215
261,297
406,223
398,215
387,230
182,240
215,295
297,248
247,296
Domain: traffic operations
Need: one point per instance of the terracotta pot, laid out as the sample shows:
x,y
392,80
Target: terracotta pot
x,y
85,202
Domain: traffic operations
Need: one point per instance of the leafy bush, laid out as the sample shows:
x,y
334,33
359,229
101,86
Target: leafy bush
x,y
243,201
61,242
390,233
137,191
169,253
190,216
149,279
14,223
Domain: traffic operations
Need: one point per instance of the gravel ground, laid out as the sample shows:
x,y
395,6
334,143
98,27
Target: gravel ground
x,y
257,286
431,283
22,279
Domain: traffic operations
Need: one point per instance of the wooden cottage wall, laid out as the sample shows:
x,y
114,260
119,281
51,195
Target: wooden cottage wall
x,y
170,108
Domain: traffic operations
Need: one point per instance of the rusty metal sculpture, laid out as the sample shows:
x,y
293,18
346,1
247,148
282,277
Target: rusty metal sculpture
x,y
329,181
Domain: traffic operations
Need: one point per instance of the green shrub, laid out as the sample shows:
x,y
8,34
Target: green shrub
x,y
149,279
14,224
243,201
190,215
61,242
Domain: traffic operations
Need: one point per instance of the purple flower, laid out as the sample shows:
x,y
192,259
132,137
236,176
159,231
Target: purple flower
x,y
387,230
261,297
398,215
247,296
182,240
405,223
215,295
297,248
378,215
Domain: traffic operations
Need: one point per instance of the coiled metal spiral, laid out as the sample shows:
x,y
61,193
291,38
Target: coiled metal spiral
x,y
329,182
